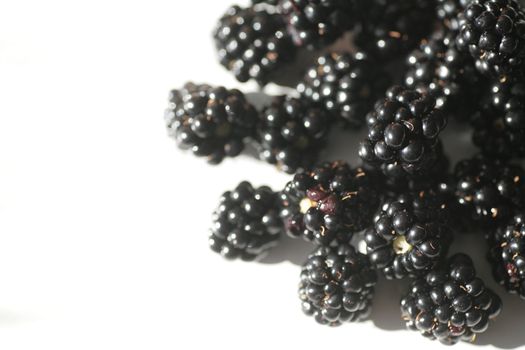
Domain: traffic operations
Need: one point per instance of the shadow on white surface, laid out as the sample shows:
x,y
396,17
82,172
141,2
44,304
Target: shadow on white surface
x,y
258,99
294,250
385,310
291,74
343,145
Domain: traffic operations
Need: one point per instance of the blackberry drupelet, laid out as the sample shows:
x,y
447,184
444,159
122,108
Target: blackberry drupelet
x,y
507,255
329,203
347,85
403,133
439,69
450,303
213,122
316,23
391,28
246,223
489,189
253,43
337,285
291,133
494,33
499,129
410,234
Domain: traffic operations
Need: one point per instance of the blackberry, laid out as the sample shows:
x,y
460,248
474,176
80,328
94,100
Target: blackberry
x,y
392,28
253,43
403,133
329,203
337,285
410,234
291,133
316,23
494,33
347,85
213,122
450,303
489,189
436,175
508,255
246,223
439,69
450,12
499,129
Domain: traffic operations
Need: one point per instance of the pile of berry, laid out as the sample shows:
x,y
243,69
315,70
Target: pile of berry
x,y
412,66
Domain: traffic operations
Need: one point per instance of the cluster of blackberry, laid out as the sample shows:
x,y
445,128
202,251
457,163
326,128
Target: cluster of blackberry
x,y
413,66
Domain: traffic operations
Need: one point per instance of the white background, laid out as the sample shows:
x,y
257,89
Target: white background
x,y
104,223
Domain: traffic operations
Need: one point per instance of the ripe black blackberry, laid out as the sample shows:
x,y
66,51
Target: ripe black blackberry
x,y
253,43
410,234
337,285
246,223
436,175
316,23
347,85
507,255
439,69
329,203
489,189
213,122
391,28
291,133
494,33
499,129
450,303
403,133
449,12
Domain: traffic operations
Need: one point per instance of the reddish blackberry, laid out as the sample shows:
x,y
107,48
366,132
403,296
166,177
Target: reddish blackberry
x,y
508,255
450,303
291,132
499,130
211,121
346,84
489,189
316,23
403,133
390,28
410,234
337,285
246,223
253,43
494,33
329,203
437,68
